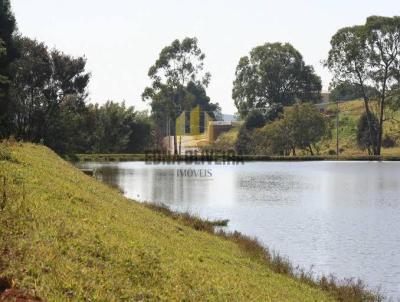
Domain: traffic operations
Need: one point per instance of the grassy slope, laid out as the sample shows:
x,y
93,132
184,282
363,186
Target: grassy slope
x,y
64,235
350,113
227,140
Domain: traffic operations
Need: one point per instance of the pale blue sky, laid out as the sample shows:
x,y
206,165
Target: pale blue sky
x,y
122,38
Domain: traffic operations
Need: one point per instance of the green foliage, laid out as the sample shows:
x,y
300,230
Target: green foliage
x,y
3,78
388,141
369,55
347,91
273,139
365,138
227,140
244,142
245,138
178,84
306,125
196,95
274,73
8,53
114,128
274,111
255,119
301,126
48,90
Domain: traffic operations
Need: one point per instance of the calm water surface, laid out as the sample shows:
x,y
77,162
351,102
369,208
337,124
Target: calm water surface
x,y
338,217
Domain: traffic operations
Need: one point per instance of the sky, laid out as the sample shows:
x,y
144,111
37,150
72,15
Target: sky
x,y
121,39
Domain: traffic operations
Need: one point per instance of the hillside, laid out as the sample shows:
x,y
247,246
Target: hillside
x,y
350,112
66,237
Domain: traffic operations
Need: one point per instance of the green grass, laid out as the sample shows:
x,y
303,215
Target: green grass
x,y
350,113
67,237
227,140
341,290
108,157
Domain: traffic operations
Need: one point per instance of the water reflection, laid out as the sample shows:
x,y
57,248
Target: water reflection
x,y
341,217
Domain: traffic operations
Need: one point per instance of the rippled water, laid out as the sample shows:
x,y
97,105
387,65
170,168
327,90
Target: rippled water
x,y
339,217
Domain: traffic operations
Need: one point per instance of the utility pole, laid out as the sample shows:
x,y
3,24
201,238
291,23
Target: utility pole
x,y
337,128
168,134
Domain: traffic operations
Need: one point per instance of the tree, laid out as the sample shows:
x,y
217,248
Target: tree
x,y
115,128
197,95
46,88
244,142
274,112
368,55
306,126
346,91
31,75
273,139
255,119
140,136
178,64
3,78
274,73
301,126
363,137
7,56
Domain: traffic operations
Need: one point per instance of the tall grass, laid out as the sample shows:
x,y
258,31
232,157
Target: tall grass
x,y
347,290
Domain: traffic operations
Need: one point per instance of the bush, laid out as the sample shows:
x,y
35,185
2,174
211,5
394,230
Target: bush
x,y
388,142
366,139
244,142
274,112
255,119
331,152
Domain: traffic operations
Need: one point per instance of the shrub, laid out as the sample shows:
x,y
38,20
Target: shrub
x,y
331,152
388,141
255,119
366,139
244,142
274,112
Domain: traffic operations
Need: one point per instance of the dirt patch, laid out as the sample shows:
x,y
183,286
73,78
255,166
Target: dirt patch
x,y
8,294
15,295
5,283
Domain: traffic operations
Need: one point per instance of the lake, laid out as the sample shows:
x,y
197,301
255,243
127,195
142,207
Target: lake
x,y
336,217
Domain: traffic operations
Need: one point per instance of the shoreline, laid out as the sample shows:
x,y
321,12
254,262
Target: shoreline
x,y
224,158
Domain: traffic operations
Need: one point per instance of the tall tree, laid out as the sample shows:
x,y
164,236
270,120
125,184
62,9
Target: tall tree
x,y
31,75
274,73
178,64
369,55
7,29
301,126
3,78
197,95
45,84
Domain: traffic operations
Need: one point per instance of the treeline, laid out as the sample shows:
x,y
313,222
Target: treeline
x,y
365,62
44,92
43,100
299,127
